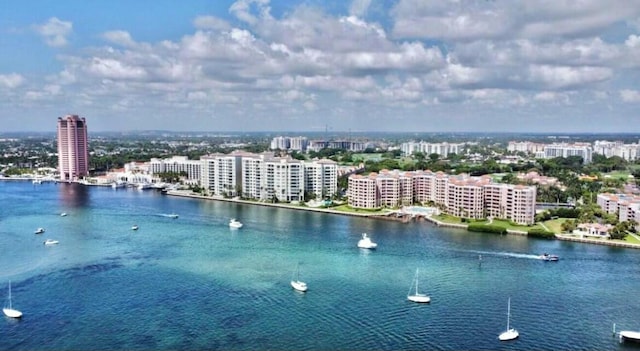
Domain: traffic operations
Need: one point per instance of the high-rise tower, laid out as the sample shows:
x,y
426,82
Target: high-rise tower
x,y
73,150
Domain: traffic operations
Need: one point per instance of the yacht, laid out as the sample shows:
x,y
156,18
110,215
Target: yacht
x,y
63,214
366,243
134,227
39,231
235,224
50,242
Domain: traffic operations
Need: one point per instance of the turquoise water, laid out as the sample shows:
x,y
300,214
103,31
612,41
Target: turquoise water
x,y
192,283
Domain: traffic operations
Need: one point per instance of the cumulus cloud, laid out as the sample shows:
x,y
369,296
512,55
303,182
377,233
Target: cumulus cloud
x,y
11,80
55,31
119,37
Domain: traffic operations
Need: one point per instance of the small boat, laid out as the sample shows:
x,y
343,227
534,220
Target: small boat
x,y
134,227
296,283
50,242
366,243
235,224
8,310
39,231
417,296
546,257
510,333
171,215
63,214
627,335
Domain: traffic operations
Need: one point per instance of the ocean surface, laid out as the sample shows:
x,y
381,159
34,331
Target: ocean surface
x,y
192,283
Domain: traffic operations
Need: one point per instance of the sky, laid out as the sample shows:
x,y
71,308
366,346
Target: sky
x,y
567,66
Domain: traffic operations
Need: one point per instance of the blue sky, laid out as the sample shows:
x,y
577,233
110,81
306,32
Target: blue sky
x,y
361,65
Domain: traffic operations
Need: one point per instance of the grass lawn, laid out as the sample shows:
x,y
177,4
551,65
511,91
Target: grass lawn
x,y
346,208
554,225
367,157
509,226
618,174
448,219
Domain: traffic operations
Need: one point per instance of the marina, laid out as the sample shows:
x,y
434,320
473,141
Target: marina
x,y
194,284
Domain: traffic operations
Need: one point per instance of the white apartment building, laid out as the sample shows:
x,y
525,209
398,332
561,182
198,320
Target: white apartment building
x,y
442,149
266,177
626,206
525,146
565,150
177,164
628,152
289,143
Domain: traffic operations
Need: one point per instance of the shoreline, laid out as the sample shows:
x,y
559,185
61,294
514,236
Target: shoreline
x,y
434,221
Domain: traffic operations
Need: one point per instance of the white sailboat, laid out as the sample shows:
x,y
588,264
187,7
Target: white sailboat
x,y
510,333
296,283
9,311
417,296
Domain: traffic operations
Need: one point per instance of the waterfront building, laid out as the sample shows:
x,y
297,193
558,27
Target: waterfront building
x,y
177,164
362,191
465,196
321,178
73,149
459,195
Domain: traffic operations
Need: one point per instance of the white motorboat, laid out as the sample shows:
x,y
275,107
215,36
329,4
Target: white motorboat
x,y
547,257
366,243
63,214
171,215
628,335
296,283
134,227
8,310
39,231
416,296
510,333
235,224
50,242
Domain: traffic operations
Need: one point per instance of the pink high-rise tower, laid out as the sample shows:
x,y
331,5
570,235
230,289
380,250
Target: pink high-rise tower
x,y
73,150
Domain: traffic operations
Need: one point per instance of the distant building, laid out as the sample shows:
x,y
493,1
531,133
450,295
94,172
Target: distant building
x,y
73,148
442,149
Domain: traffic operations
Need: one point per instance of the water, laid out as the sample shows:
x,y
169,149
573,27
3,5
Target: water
x,y
191,283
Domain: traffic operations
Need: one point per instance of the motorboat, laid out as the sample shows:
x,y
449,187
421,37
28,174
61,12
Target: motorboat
x,y
63,214
50,242
39,231
134,227
172,215
235,224
628,335
547,257
366,243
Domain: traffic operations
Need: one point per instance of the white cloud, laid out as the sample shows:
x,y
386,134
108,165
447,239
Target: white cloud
x,y
359,8
211,22
628,95
55,31
119,37
12,80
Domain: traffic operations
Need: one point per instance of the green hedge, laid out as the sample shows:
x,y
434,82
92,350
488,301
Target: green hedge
x,y
541,233
486,228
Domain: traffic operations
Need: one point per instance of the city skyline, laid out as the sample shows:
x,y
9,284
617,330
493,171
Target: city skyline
x,y
362,65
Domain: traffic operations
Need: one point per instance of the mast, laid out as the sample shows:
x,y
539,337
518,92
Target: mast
x,y
10,306
508,312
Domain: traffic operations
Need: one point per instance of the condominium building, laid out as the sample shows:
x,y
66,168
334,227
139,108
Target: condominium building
x,y
177,164
583,150
289,143
442,149
627,206
266,177
459,195
73,149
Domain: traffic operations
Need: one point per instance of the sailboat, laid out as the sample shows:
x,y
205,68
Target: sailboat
x,y
295,281
510,333
417,296
9,311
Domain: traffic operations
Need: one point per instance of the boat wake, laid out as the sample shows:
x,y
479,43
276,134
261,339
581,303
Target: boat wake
x,y
506,254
